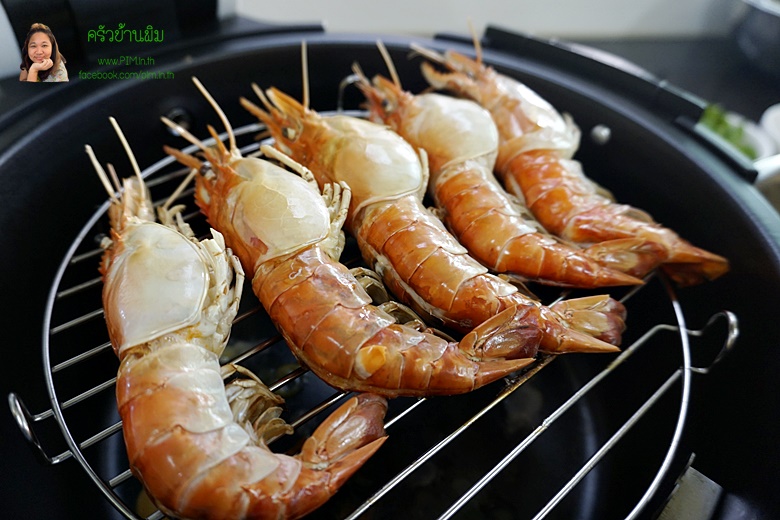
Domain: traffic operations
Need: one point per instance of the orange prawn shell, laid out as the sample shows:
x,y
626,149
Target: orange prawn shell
x,y
418,259
537,144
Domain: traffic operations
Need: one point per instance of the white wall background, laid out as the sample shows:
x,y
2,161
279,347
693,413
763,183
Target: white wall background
x,y
567,19
9,60
560,18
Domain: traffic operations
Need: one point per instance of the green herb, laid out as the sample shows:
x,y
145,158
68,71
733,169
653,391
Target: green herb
x,y
714,118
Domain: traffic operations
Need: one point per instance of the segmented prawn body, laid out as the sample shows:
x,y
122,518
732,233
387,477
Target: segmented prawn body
x,y
288,233
199,447
461,142
535,163
419,260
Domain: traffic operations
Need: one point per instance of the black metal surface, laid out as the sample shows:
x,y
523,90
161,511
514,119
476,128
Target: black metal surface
x,y
49,192
758,36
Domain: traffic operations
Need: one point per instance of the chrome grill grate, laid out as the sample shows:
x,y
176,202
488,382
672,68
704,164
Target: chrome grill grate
x,y
80,367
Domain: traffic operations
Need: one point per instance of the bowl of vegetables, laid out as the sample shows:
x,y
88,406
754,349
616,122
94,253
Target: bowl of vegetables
x,y
739,132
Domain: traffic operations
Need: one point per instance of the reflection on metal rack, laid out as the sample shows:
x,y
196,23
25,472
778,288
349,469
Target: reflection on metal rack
x,y
81,254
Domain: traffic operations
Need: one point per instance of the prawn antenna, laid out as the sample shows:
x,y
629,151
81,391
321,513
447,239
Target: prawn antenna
x,y
179,189
101,173
305,73
183,158
220,113
114,177
129,152
185,134
477,43
358,72
427,53
273,153
389,63
261,96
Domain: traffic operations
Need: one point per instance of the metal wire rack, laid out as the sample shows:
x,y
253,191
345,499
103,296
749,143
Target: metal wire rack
x,y
80,367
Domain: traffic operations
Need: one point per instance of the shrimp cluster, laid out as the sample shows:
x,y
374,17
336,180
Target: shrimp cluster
x,y
512,206
461,142
535,164
421,263
288,234
199,447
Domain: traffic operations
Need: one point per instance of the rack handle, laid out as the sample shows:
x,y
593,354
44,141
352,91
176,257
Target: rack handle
x,y
732,334
24,420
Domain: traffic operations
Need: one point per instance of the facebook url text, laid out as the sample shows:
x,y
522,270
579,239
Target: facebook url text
x,y
112,74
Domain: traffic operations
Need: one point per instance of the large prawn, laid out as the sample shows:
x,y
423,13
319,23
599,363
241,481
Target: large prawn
x,y
289,235
419,260
199,447
461,142
534,163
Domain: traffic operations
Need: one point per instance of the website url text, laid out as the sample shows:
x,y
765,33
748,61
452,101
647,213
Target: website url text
x,y
112,74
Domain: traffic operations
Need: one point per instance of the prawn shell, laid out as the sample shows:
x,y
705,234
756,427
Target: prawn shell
x,y
450,120
157,284
282,212
375,148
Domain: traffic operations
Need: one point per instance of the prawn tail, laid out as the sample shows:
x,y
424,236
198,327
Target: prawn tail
x,y
706,266
355,424
514,333
345,440
633,256
589,324
536,257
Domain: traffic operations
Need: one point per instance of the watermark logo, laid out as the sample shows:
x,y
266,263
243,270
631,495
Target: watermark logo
x,y
122,35
149,34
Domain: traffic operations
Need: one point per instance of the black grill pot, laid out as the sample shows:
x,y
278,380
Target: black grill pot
x,y
655,160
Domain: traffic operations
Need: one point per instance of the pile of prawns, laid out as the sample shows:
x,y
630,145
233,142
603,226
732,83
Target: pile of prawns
x,y
170,299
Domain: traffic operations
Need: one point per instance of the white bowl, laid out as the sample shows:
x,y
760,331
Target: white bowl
x,y
754,135
770,123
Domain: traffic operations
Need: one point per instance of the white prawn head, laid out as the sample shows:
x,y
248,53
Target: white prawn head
x,y
274,213
453,129
159,281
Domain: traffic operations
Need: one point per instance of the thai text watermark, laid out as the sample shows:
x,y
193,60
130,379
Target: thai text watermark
x,y
120,34
116,67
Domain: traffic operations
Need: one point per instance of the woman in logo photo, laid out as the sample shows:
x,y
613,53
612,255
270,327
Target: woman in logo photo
x,y
41,58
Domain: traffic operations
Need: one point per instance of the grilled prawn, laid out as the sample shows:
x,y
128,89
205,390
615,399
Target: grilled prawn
x,y
199,447
461,142
289,235
419,260
534,163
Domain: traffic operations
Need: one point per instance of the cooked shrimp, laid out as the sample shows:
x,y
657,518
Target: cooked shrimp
x,y
534,163
461,142
419,260
289,235
199,447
